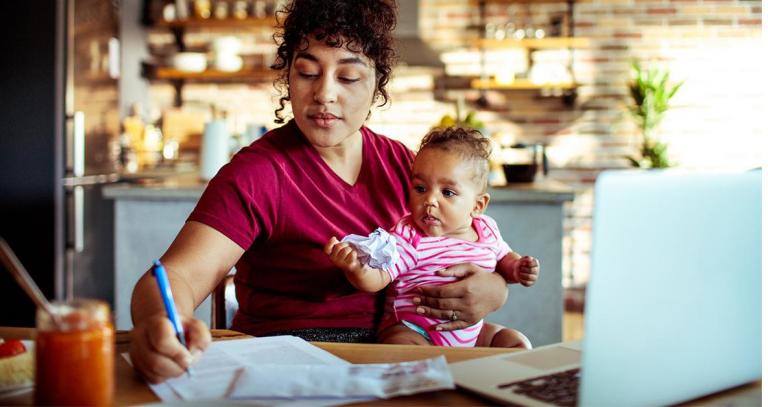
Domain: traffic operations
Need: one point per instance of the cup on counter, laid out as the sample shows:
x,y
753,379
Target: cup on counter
x,y
215,148
75,354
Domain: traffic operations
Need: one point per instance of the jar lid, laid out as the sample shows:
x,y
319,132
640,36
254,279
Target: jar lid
x,y
75,315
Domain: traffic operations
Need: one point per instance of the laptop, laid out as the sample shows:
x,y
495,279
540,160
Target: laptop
x,y
673,309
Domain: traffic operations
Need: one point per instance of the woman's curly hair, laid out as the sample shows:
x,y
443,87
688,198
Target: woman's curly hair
x,y
359,25
470,144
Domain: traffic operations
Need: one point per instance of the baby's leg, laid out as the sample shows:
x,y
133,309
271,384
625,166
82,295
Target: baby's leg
x,y
402,335
498,336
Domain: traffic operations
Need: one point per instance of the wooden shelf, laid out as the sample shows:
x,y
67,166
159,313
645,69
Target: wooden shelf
x,y
171,74
567,90
519,84
533,43
217,23
179,28
520,1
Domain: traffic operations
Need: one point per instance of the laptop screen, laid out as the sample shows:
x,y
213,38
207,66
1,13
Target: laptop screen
x,y
673,305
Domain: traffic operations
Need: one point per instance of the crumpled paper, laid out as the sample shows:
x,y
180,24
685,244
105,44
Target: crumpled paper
x,y
378,250
382,380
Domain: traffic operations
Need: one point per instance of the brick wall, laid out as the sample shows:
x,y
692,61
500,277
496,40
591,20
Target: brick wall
x,y
717,120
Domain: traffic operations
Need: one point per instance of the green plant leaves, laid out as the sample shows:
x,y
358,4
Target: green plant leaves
x,y
650,91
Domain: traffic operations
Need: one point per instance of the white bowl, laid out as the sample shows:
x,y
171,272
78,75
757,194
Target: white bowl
x,y
228,63
226,45
190,61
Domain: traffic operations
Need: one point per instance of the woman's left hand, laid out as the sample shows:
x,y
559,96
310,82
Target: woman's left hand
x,y
464,302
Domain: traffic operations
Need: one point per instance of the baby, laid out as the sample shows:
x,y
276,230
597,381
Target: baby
x,y
445,227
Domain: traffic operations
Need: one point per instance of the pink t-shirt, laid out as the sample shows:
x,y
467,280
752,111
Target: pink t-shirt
x,y
421,256
280,202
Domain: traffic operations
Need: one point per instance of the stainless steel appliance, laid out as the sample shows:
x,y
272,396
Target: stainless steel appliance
x,y
58,147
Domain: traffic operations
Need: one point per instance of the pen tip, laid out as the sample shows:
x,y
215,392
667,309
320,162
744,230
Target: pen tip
x,y
157,263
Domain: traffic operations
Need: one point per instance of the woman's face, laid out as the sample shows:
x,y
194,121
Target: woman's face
x,y
331,92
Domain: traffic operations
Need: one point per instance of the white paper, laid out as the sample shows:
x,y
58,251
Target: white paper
x,y
286,370
216,369
378,250
338,381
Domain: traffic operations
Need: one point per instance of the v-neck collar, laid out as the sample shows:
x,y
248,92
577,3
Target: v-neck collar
x,y
362,174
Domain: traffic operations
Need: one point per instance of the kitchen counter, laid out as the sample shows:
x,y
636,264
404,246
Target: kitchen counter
x,y
149,212
190,187
544,191
186,186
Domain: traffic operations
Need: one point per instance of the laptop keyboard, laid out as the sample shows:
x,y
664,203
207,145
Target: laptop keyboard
x,y
558,388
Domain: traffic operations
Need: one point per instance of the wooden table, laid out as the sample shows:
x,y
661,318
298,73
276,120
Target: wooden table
x,y
130,389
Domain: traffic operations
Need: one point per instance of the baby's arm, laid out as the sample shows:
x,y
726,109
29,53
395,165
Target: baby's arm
x,y
363,277
519,269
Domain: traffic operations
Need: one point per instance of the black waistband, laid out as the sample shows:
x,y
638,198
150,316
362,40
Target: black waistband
x,y
347,335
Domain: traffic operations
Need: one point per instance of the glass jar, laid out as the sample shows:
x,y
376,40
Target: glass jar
x,y
75,354
202,9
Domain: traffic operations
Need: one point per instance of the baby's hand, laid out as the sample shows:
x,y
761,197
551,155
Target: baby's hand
x,y
344,256
527,270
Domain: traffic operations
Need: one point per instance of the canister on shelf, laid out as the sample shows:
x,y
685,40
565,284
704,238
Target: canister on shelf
x,y
259,8
221,10
240,10
202,8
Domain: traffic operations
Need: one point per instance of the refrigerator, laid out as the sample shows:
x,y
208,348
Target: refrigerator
x,y
59,130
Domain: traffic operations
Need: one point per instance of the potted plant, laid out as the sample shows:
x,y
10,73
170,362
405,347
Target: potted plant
x,y
469,121
650,91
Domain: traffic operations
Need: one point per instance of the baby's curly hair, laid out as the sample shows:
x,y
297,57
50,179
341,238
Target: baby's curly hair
x,y
359,25
470,144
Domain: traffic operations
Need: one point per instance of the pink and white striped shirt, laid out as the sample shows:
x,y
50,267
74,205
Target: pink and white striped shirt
x,y
421,256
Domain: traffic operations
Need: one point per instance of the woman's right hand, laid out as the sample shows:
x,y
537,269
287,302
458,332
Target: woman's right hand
x,y
198,259
158,355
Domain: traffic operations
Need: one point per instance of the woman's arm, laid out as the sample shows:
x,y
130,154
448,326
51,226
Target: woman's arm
x,y
475,295
196,261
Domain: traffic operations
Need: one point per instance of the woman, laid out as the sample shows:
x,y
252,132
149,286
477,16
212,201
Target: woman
x,y
273,207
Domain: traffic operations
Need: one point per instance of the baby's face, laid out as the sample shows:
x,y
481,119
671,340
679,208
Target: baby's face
x,y
444,193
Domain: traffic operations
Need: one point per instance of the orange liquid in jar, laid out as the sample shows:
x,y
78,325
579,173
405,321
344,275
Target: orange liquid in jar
x,y
74,358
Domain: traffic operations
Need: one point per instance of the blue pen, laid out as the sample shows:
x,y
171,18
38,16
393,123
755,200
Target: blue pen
x,y
170,307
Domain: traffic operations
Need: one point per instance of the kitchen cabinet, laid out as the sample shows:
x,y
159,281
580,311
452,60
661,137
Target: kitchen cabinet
x,y
163,209
530,217
179,29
